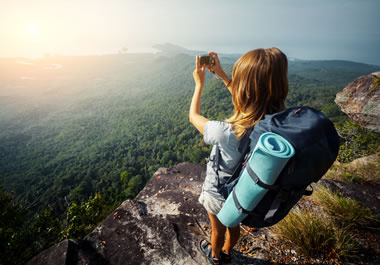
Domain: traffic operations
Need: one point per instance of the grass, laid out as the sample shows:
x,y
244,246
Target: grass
x,y
326,236
332,234
314,235
376,82
357,172
345,245
346,212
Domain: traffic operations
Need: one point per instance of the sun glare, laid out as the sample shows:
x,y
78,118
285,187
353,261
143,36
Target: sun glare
x,y
32,31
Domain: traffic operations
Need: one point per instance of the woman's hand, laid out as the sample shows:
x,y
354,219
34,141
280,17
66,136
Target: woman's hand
x,y
216,67
199,73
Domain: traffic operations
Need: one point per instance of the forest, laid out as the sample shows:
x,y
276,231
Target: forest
x,y
88,132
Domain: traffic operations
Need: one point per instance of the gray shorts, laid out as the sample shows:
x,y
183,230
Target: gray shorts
x,y
211,204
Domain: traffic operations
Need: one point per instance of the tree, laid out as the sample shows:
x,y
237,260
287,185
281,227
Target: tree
x,y
83,218
124,178
135,184
12,234
356,141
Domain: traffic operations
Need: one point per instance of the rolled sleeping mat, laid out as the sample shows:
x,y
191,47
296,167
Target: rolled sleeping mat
x,y
266,162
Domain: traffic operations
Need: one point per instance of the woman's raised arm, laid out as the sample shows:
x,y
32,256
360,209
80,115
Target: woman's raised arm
x,y
195,116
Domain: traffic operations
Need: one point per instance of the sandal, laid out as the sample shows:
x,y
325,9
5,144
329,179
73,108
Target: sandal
x,y
207,251
226,258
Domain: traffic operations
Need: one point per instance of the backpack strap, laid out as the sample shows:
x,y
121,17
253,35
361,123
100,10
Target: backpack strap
x,y
256,179
243,148
244,142
216,160
281,197
237,203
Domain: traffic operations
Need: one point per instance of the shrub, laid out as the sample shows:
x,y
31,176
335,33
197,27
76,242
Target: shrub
x,y
357,141
83,218
21,239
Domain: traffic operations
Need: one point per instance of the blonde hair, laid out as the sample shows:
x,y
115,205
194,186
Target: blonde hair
x,y
259,86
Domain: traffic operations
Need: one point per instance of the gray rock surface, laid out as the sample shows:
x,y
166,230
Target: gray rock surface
x,y
69,252
360,100
163,225
367,195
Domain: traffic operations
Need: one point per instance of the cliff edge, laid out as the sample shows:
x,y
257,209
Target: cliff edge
x,y
162,225
165,223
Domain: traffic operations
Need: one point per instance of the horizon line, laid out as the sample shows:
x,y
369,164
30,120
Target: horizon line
x,y
290,59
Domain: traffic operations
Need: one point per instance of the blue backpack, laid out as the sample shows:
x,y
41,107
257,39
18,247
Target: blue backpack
x,y
316,145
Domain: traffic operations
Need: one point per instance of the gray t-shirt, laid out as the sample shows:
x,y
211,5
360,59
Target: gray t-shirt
x,y
220,134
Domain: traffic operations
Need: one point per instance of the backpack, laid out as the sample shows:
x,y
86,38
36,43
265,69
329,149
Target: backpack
x,y
316,145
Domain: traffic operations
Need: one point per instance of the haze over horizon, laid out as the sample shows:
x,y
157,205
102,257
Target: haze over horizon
x,y
304,29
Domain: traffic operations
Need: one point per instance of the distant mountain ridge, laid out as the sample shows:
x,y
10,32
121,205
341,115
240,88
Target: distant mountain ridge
x,y
172,49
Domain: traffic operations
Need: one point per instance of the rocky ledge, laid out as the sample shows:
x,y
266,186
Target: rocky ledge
x,y
165,223
360,100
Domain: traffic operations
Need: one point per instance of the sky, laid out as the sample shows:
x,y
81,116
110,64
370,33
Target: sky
x,y
304,29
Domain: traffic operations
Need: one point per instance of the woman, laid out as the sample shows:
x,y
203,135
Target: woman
x,y
259,86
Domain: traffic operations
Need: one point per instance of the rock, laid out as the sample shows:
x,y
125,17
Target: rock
x,y
364,161
367,195
365,169
360,101
162,225
69,252
376,74
152,229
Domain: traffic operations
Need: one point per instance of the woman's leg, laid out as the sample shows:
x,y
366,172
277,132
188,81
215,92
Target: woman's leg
x,y
232,237
217,235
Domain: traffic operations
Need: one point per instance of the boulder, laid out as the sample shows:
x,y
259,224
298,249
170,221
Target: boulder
x,y
360,101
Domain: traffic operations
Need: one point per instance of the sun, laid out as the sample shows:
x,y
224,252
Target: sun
x,y
32,31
